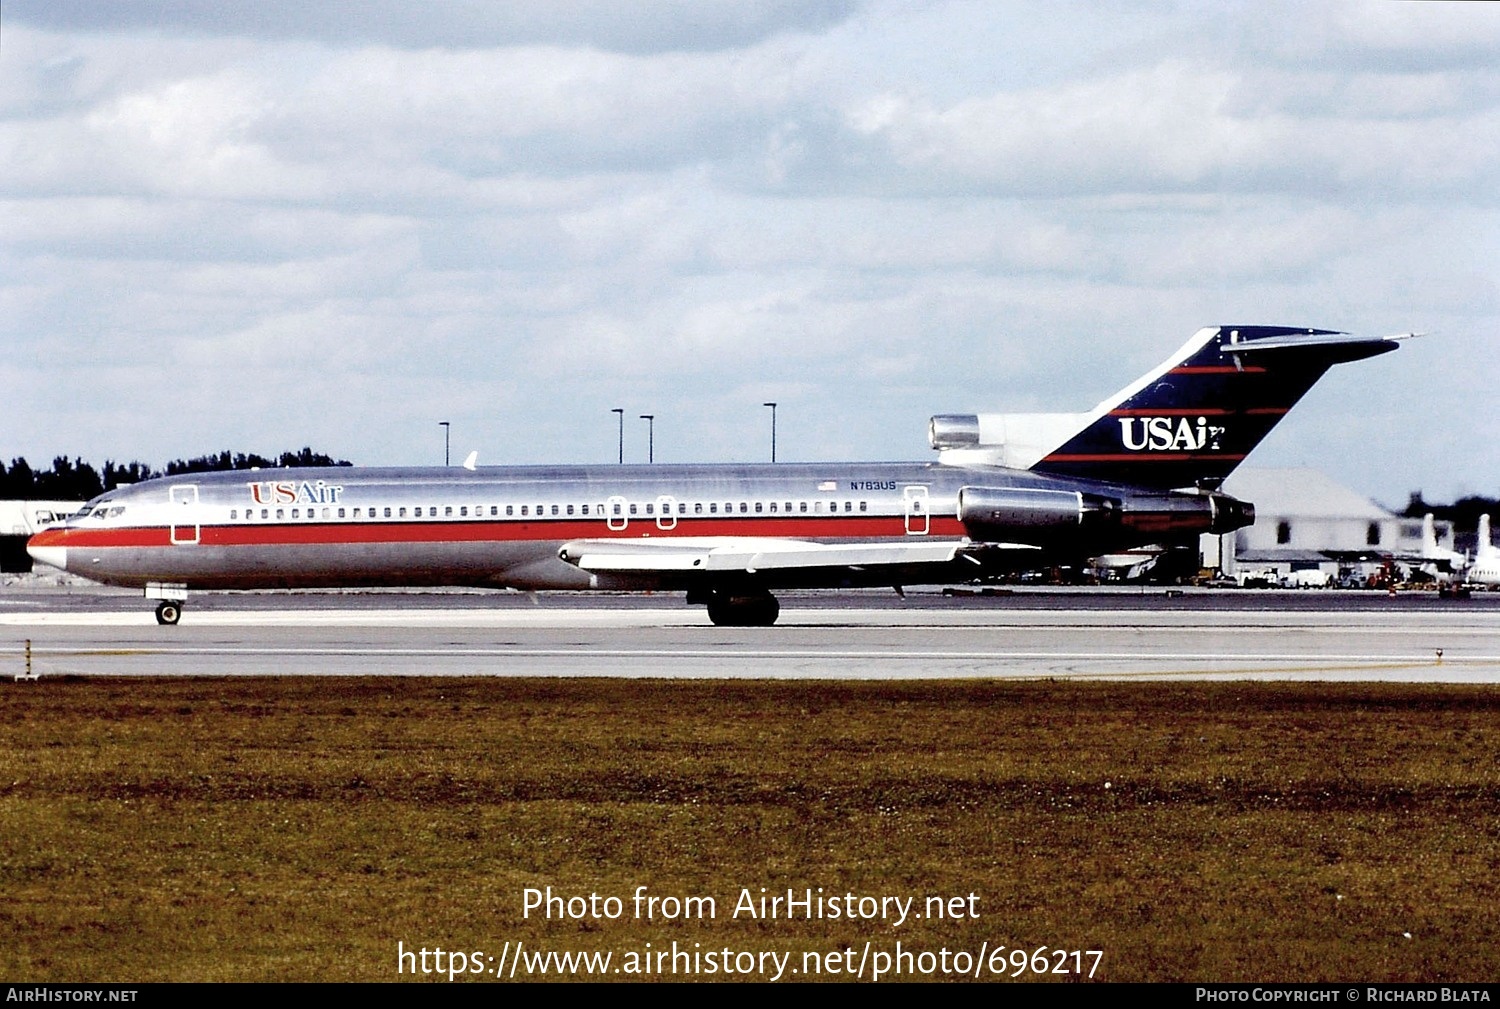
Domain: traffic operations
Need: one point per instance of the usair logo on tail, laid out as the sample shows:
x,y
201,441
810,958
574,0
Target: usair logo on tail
x,y
1169,434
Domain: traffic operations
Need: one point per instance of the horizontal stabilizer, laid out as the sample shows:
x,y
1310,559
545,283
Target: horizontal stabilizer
x,y
1310,339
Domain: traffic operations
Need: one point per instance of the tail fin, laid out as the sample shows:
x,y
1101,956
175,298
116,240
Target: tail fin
x,y
1483,546
1195,417
1429,536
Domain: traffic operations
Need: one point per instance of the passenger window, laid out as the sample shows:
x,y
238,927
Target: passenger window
x,y
554,509
632,509
525,510
757,507
773,507
387,513
651,509
325,513
617,508
713,507
570,509
447,510
281,513
802,506
510,510
697,507
463,510
585,509
864,506
234,514
296,513
682,507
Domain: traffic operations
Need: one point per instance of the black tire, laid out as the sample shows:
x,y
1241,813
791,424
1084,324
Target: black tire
x,y
168,613
758,610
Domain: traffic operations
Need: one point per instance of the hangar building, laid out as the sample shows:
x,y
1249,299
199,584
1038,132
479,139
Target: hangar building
x,y
1304,521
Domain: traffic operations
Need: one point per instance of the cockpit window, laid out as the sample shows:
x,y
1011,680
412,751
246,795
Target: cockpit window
x,y
116,511
83,512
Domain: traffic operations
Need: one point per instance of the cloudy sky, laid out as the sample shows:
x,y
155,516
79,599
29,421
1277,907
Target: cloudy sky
x,y
268,225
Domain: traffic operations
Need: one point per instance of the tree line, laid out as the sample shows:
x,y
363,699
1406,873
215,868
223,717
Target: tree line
x,y
1463,513
75,480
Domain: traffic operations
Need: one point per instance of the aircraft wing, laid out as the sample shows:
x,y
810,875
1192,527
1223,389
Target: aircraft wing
x,y
747,555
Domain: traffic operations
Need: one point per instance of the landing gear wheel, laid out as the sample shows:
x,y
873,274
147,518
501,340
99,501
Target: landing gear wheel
x,y
756,610
168,612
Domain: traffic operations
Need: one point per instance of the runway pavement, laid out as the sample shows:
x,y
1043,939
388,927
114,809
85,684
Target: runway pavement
x,y
1032,634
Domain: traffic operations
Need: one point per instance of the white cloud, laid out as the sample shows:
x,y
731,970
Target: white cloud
x,y
646,26
1180,127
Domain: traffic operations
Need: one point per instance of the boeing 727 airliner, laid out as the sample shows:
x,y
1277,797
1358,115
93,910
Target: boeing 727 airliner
x,y
1006,492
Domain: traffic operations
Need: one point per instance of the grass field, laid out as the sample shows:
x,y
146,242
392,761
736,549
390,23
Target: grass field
x,y
299,828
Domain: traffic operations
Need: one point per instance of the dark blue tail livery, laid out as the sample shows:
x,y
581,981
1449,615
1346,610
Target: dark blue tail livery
x,y
1192,420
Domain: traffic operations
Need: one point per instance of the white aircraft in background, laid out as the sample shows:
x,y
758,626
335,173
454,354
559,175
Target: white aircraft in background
x,y
1437,562
1486,567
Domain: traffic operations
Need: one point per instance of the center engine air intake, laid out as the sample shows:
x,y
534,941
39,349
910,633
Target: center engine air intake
x,y
953,430
995,513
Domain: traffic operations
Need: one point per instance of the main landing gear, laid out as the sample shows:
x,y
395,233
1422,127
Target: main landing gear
x,y
171,596
741,608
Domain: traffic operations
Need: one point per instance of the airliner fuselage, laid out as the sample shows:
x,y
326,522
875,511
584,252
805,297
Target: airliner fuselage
x,y
506,526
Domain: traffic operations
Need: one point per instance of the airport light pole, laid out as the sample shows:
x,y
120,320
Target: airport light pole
x,y
650,419
446,442
619,411
773,429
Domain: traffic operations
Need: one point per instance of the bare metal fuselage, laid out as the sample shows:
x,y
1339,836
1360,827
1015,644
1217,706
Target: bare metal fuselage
x,y
505,526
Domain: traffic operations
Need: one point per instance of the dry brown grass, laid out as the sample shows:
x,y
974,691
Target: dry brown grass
x,y
298,828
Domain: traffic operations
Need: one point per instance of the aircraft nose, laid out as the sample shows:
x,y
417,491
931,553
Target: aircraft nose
x,y
40,552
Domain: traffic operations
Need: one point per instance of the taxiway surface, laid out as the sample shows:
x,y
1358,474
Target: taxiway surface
x,y
1099,635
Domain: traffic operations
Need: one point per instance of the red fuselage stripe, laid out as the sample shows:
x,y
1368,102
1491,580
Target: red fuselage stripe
x,y
321,533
